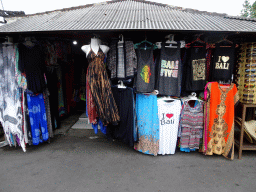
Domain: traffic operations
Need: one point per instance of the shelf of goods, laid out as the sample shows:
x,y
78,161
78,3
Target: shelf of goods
x,y
246,74
246,83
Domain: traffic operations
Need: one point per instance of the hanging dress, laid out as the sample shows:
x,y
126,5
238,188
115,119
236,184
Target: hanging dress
x,y
148,125
100,88
220,119
124,131
192,121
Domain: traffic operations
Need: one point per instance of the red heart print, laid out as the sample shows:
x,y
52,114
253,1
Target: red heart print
x,y
169,115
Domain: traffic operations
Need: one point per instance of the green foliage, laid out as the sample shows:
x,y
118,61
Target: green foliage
x,y
253,10
247,8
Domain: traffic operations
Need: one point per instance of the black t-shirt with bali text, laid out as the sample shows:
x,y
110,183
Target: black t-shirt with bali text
x,y
168,81
223,63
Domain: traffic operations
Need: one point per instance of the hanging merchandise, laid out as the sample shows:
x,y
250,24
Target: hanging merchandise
x,y
219,129
169,115
145,78
90,105
195,67
59,45
147,124
124,98
223,62
61,99
48,112
246,73
21,79
192,121
103,128
168,80
69,81
52,85
38,118
10,98
50,54
122,59
99,83
209,53
32,63
24,110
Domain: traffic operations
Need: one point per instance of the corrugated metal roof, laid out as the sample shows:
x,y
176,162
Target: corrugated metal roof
x,y
129,15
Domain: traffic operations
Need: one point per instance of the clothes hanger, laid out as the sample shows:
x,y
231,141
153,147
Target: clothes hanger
x,y
28,42
155,92
171,42
225,40
121,85
224,85
167,99
121,40
145,42
192,96
197,40
9,41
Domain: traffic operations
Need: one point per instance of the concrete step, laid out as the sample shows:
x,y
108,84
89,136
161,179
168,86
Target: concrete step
x,y
82,124
83,116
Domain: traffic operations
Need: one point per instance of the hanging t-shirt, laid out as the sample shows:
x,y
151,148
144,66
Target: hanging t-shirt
x,y
169,72
145,79
223,64
168,114
196,69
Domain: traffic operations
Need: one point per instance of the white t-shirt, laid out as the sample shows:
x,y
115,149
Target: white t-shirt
x,y
169,116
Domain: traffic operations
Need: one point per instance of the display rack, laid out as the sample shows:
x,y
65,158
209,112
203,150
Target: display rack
x,y
240,142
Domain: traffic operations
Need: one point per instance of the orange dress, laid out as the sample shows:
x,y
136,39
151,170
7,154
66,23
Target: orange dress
x,y
220,119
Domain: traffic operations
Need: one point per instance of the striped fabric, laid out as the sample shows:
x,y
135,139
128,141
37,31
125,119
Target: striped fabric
x,y
122,60
100,89
191,126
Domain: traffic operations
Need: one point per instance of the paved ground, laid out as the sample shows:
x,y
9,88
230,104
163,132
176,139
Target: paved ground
x,y
76,161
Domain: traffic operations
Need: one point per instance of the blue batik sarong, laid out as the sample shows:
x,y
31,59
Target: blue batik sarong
x,y
38,120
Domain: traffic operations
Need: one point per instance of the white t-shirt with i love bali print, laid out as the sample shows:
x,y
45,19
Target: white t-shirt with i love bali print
x,y
169,116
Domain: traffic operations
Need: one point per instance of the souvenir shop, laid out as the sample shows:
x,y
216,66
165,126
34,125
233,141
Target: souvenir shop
x,y
157,92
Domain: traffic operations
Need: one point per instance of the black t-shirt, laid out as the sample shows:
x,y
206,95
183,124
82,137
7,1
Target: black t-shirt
x,y
145,78
195,68
223,63
169,72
